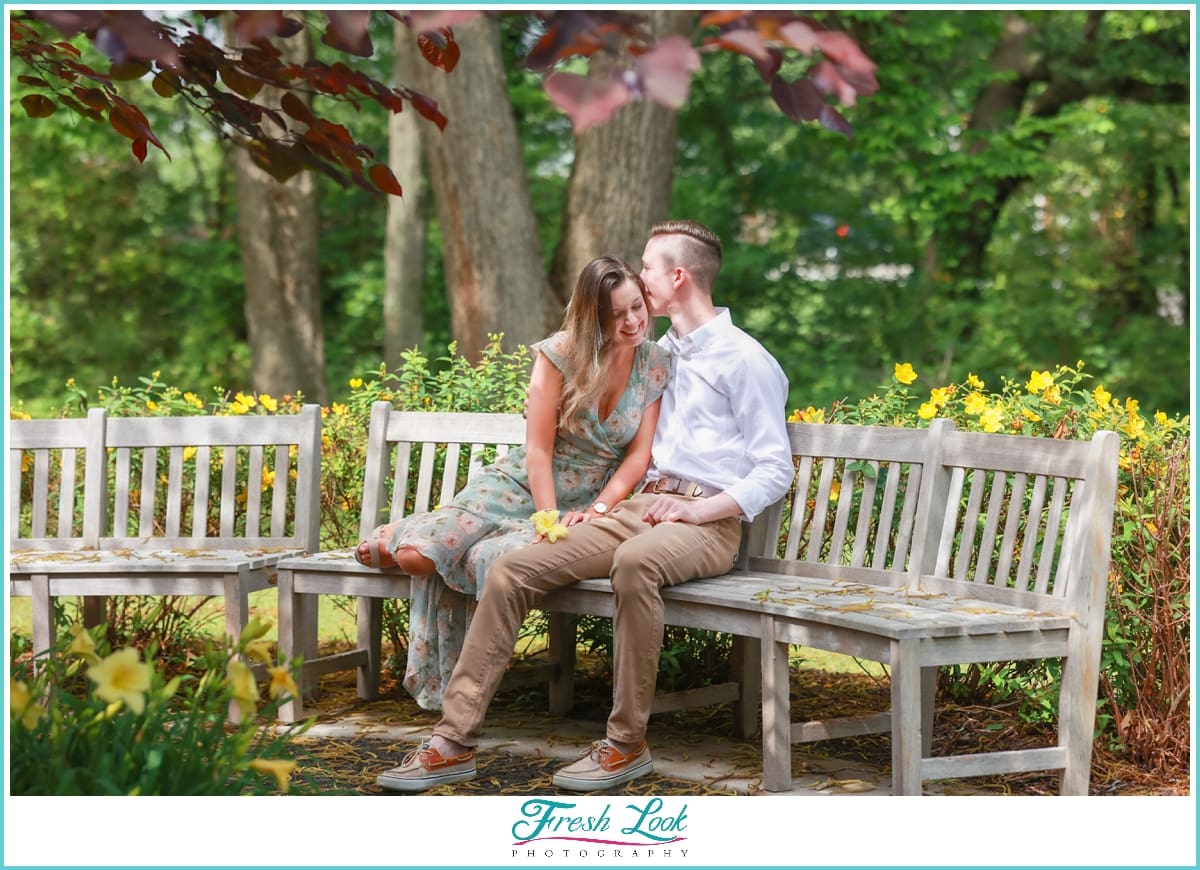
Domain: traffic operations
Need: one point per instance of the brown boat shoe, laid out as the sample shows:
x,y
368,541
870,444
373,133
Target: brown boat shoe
x,y
425,767
604,766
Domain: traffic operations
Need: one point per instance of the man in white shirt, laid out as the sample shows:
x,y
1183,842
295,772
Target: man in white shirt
x,y
721,455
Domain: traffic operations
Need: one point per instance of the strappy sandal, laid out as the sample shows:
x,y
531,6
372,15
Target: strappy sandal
x,y
373,551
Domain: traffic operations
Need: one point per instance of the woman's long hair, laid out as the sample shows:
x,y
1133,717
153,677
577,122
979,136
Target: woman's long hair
x,y
588,325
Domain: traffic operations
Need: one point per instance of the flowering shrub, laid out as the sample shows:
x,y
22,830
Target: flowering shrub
x,y
1145,683
95,722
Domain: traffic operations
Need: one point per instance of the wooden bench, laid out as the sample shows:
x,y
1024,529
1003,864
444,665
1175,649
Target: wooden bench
x,y
915,548
168,506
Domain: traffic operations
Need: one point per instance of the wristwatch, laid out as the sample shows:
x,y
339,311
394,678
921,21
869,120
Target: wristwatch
x,y
600,508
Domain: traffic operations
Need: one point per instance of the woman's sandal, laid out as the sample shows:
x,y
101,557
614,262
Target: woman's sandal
x,y
373,551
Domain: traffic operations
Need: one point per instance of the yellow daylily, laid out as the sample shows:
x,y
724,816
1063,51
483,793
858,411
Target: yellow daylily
x,y
808,415
546,523
280,768
1039,382
82,646
991,420
281,683
905,373
259,651
122,676
240,680
975,403
21,704
927,411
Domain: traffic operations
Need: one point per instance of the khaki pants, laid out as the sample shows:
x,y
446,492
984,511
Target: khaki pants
x,y
639,558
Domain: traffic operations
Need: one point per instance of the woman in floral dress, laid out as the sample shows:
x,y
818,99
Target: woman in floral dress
x,y
592,408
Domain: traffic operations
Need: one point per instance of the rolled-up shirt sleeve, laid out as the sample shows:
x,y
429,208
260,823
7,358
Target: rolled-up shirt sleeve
x,y
758,402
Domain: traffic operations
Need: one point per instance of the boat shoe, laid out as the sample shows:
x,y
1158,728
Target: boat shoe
x,y
604,766
425,767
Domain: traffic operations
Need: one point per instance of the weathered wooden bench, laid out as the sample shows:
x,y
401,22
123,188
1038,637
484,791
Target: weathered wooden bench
x,y
915,548
168,506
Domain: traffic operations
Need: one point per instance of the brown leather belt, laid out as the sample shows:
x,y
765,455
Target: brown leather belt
x,y
676,486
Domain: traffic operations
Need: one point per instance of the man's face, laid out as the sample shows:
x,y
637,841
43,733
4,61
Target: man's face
x,y
660,286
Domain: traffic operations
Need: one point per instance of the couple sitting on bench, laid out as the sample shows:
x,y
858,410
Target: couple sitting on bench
x,y
693,426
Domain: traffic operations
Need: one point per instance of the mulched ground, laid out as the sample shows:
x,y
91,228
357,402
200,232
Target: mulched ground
x,y
340,766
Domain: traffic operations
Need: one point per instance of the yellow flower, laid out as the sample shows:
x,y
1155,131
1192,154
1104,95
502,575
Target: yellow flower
x,y
189,453
268,478
239,407
122,676
974,382
546,523
1102,396
255,628
975,403
1131,406
340,410
904,373
808,415
1162,419
281,769
21,704
927,411
243,687
193,400
991,420
1136,427
259,651
82,645
1030,415
355,383
939,395
268,402
794,417
151,405
243,399
281,683
1053,395
1151,528
1040,382
835,490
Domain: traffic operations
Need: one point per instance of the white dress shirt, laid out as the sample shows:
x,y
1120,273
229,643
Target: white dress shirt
x,y
722,421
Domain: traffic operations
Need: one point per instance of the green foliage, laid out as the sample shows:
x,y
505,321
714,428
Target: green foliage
x,y
93,722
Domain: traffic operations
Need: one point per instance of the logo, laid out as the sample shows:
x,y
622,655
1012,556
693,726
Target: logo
x,y
642,829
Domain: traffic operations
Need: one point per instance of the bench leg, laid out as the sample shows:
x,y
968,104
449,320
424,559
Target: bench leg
x,y
1077,716
929,678
906,718
562,661
297,637
747,673
43,618
370,639
237,613
776,711
95,610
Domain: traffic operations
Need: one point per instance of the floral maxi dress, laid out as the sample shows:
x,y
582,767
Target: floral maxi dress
x,y
490,517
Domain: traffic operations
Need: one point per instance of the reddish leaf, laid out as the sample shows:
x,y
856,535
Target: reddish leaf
x,y
78,107
249,27
142,38
347,31
33,80
436,20
67,48
586,101
278,162
800,100
800,36
428,109
139,149
129,71
38,106
166,84
439,49
237,81
70,23
296,108
385,180
666,70
828,81
746,42
853,64
122,124
770,67
579,33
719,19
832,120
128,120
93,97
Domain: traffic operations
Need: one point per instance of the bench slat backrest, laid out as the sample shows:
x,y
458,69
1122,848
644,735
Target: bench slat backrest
x,y
417,460
200,481
852,506
51,482
1024,520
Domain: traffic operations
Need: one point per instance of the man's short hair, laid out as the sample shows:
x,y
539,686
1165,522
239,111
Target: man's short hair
x,y
693,246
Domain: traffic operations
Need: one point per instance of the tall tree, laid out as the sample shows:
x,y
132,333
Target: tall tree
x,y
404,242
277,227
621,176
493,264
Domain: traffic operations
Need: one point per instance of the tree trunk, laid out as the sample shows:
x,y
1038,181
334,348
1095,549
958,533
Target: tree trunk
x,y
277,228
495,280
404,245
621,178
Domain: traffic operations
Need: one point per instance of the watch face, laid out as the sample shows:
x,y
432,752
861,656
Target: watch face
x,y
600,507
